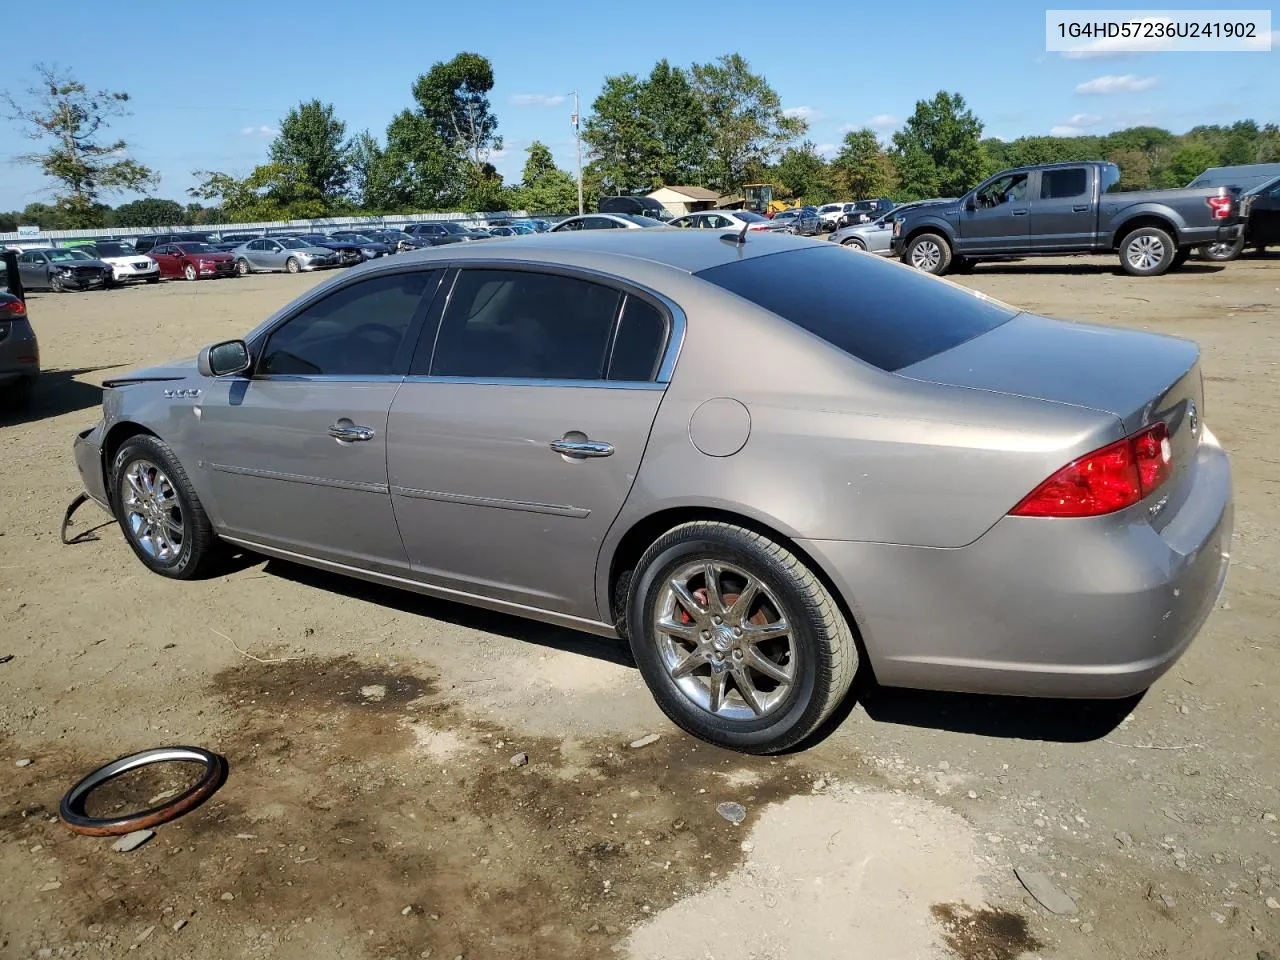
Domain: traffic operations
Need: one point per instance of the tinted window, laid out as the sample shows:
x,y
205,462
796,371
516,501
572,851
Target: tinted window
x,y
1062,184
638,346
144,244
507,323
110,249
599,223
643,221
355,331
1110,178
899,317
1011,188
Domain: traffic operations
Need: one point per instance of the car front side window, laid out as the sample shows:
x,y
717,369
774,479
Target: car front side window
x,y
357,330
505,324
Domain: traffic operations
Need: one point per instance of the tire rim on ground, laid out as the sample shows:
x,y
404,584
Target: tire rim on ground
x,y
71,809
153,512
724,640
926,255
1145,253
189,272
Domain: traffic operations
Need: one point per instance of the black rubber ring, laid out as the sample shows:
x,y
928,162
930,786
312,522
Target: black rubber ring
x,y
71,810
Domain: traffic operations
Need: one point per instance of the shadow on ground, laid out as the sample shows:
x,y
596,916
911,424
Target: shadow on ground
x,y
1093,268
459,614
57,392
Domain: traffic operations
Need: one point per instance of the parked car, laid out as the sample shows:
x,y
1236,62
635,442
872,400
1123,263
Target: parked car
x,y
635,206
369,248
347,252
1259,184
511,230
799,220
19,353
875,237
61,270
126,266
282,254
726,220
872,209
606,221
395,241
191,260
440,232
148,242
933,480
830,214
1059,208
537,224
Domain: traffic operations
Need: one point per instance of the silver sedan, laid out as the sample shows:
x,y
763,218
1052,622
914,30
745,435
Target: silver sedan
x,y
277,254
874,237
703,444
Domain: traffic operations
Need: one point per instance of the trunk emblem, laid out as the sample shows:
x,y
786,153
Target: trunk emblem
x,y
1193,418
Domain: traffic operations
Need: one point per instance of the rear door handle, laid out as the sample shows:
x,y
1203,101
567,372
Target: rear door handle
x,y
582,449
1080,208
349,432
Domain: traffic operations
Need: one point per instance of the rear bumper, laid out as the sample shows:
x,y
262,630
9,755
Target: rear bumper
x,y
1198,236
1050,608
87,448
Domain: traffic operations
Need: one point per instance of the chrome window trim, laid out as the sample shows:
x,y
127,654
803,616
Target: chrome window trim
x,y
534,382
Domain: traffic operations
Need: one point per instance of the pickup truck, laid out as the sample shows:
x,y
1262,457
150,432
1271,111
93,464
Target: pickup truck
x,y
1058,208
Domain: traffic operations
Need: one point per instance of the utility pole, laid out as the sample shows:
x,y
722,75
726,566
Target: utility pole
x,y
577,137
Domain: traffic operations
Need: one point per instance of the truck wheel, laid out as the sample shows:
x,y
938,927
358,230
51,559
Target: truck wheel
x,y
928,252
1221,252
1147,252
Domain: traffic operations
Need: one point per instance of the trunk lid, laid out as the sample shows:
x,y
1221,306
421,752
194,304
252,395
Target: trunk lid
x,y
1137,377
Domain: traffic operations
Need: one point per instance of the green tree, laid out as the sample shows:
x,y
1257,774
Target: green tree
x,y
619,137
803,172
371,174
151,212
419,171
745,117
485,192
1146,139
997,154
678,132
862,169
9,221
272,191
312,143
1135,168
938,151
1187,163
544,187
44,216
63,112
453,97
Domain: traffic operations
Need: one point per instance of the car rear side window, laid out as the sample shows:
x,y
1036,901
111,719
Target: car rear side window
x,y
358,330
1063,184
883,313
520,324
639,343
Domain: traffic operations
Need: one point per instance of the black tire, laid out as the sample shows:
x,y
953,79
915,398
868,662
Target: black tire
x,y
56,285
1147,252
928,252
16,396
153,279
199,547
854,243
1179,258
292,265
243,268
1221,252
822,654
963,264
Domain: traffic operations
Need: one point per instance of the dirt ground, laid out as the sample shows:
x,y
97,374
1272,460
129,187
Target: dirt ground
x,y
372,808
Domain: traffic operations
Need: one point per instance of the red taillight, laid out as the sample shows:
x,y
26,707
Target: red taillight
x,y
1220,207
1107,480
14,308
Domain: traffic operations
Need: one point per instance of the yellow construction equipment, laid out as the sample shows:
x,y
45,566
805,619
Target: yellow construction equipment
x,y
761,198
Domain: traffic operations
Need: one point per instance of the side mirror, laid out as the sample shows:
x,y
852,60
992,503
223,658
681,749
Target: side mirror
x,y
969,204
223,359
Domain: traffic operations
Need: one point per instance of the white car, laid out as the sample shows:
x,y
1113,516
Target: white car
x,y
726,220
606,221
125,264
830,213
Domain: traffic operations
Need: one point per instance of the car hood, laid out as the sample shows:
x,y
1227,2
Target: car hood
x,y
173,370
129,260
58,264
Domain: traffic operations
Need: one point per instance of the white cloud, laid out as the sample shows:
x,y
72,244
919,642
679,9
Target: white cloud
x,y
801,113
262,131
1064,130
827,150
1116,83
1084,119
1267,41
883,120
538,99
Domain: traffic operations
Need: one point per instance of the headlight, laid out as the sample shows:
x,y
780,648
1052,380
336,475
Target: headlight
x,y
369,251
65,270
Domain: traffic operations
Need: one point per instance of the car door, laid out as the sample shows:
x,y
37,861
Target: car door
x,y
514,443
1264,217
273,255
33,269
995,216
296,451
166,256
1063,213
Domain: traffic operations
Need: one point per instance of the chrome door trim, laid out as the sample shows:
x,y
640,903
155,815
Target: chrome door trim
x,y
594,627
526,506
534,382
360,486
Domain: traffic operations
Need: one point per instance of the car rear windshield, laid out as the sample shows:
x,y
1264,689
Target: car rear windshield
x,y
883,313
106,248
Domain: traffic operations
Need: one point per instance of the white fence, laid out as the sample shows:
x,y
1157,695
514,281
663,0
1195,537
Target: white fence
x,y
302,226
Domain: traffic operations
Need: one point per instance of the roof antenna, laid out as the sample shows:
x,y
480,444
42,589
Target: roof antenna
x,y
738,240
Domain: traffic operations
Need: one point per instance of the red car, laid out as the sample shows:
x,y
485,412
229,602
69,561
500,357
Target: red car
x,y
194,261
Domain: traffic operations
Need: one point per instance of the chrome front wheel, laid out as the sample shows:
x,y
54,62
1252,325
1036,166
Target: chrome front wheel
x,y
152,511
725,641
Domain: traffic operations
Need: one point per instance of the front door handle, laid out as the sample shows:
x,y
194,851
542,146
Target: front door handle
x,y
349,432
1018,213
582,448
1080,208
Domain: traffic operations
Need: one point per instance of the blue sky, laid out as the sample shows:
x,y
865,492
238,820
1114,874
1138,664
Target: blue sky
x,y
208,91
